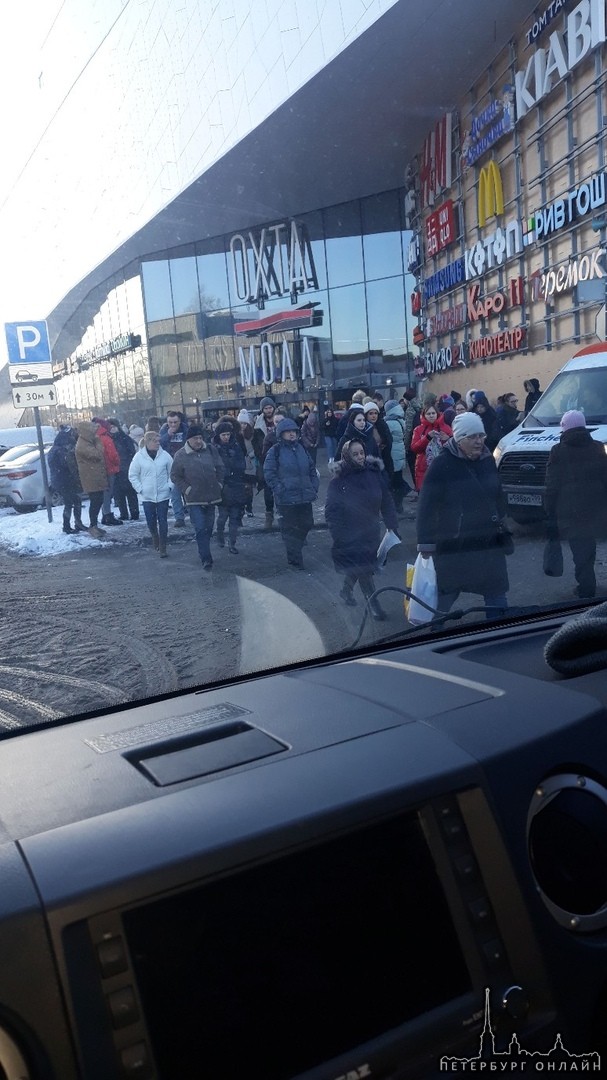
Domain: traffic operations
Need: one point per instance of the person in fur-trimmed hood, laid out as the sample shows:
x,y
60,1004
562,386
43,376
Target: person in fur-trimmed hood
x,y
358,496
460,517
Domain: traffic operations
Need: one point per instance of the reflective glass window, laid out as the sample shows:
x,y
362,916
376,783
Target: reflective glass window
x,y
381,235
386,318
157,289
343,244
212,276
184,285
349,332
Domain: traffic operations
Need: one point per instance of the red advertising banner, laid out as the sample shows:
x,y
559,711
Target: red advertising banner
x,y
440,228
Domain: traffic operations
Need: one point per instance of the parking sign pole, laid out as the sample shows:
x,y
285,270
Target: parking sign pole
x,y
47,494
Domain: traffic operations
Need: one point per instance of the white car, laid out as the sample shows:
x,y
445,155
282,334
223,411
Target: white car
x,y
21,483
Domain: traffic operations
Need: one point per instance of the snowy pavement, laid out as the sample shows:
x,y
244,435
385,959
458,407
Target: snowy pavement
x,y
33,534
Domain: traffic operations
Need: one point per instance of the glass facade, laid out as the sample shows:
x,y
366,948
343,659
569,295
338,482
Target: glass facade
x,y
303,308
308,306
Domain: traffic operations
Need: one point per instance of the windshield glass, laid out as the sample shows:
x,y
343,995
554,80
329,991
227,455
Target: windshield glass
x,y
585,390
281,313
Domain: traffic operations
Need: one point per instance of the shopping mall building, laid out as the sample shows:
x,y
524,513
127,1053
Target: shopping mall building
x,y
416,194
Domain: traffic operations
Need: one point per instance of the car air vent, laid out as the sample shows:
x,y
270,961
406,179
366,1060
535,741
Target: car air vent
x,y
526,468
567,841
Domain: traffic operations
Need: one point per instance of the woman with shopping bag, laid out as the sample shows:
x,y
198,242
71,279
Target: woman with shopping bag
x,y
460,519
358,497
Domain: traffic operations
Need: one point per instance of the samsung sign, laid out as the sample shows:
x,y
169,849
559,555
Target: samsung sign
x,y
585,30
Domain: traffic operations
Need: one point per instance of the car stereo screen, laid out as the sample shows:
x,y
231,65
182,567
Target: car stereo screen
x,y
276,969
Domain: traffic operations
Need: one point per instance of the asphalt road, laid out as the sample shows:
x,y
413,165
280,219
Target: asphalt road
x,y
102,627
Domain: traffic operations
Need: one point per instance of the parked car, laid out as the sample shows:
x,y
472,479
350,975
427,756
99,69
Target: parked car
x,y
19,437
21,483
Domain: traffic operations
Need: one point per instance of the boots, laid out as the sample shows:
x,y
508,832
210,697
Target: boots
x,y
269,519
109,519
67,528
346,592
368,588
79,526
163,549
155,541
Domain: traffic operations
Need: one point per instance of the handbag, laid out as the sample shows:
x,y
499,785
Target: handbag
x,y
423,587
553,559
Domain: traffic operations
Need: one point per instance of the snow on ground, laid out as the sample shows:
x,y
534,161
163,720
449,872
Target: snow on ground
x,y
33,534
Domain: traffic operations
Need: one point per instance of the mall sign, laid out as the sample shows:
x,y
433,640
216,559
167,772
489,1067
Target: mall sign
x,y
274,262
546,67
263,361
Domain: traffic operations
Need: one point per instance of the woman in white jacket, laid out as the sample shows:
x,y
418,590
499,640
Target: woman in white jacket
x,y
149,473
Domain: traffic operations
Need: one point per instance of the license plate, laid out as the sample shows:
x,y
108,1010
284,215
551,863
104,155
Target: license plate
x,y
521,498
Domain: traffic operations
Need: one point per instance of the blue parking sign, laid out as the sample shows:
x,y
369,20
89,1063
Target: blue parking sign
x,y
27,343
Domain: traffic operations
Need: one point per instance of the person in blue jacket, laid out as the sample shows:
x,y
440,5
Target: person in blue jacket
x,y
291,475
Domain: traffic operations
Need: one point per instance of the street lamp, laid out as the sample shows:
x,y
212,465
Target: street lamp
x,y
196,402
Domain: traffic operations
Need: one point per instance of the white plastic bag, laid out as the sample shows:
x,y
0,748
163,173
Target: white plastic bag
x,y
388,541
424,588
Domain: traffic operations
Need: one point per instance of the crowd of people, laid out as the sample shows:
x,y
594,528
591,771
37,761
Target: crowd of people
x,y
433,450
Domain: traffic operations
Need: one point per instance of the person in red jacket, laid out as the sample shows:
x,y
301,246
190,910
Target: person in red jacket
x,y
428,440
112,465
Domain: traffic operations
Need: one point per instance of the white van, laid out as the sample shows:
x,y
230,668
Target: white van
x,y
22,436
522,455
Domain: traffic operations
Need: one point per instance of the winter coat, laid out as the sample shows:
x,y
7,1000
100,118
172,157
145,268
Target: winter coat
x,y
110,453
174,440
366,437
151,476
290,474
420,442
506,419
395,419
260,430
63,467
234,464
533,396
90,458
329,426
412,419
460,508
356,498
489,419
576,487
310,431
126,450
198,474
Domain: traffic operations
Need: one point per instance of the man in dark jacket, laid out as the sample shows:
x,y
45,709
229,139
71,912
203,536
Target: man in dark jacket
x,y
576,496
532,389
233,494
173,436
460,518
292,478
264,425
125,495
198,472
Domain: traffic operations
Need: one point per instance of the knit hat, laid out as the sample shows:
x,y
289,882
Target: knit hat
x,y
573,418
194,430
356,407
135,431
410,393
370,406
222,426
244,417
267,401
446,399
285,425
466,424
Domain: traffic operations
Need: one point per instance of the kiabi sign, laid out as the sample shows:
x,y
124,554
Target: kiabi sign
x,y
547,67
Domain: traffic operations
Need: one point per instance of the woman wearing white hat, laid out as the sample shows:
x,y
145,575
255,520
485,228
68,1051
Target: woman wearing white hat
x,y
460,519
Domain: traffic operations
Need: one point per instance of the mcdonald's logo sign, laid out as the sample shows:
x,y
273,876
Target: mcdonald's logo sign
x,y
490,193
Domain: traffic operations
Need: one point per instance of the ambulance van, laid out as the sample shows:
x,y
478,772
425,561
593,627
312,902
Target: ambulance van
x,y
522,455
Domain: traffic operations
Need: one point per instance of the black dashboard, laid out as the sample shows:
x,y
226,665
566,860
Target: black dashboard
x,y
359,868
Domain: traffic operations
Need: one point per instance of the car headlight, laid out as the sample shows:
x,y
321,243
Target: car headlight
x,y
497,454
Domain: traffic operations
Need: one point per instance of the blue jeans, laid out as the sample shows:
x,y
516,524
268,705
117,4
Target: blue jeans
x,y
203,520
233,516
177,503
331,446
156,518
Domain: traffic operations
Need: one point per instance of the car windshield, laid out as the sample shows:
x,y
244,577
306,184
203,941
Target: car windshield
x,y
284,284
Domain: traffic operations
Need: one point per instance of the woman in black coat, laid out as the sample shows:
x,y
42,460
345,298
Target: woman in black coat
x,y
460,519
357,496
576,496
358,428
125,496
65,478
233,494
